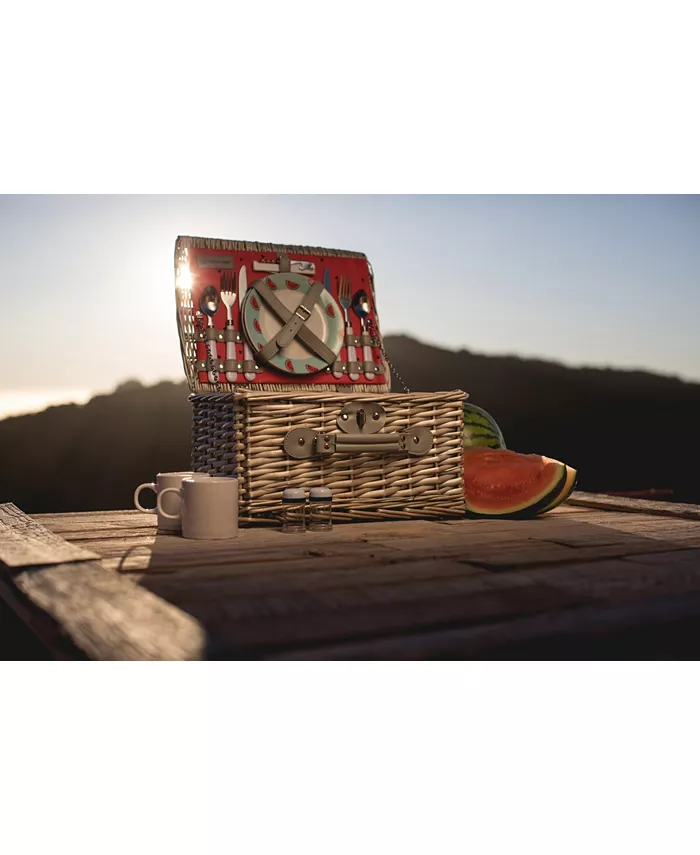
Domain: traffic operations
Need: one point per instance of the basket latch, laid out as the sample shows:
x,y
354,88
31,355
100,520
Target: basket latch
x,y
361,417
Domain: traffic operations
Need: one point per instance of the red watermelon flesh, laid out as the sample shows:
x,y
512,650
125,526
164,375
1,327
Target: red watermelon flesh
x,y
502,483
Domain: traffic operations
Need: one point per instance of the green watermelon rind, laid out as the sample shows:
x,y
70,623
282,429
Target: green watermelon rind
x,y
482,425
484,440
566,491
532,510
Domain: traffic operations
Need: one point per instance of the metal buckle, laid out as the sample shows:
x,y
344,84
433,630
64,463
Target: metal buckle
x,y
297,311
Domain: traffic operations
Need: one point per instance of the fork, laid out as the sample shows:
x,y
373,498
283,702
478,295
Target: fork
x,y
345,297
228,298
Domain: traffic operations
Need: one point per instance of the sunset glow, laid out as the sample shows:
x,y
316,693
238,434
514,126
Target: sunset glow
x,y
581,280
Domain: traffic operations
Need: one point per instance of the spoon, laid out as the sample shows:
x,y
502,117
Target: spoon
x,y
209,303
361,306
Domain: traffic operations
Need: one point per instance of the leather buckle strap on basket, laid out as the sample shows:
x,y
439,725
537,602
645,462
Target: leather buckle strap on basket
x,y
293,323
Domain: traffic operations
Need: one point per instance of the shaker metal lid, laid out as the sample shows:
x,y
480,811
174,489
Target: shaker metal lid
x,y
293,494
320,494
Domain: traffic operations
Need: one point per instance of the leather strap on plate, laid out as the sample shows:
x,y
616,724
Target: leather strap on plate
x,y
312,341
301,315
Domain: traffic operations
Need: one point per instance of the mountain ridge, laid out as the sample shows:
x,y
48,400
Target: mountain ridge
x,y
397,339
608,423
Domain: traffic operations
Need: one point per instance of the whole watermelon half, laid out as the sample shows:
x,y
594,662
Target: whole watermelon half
x,y
480,429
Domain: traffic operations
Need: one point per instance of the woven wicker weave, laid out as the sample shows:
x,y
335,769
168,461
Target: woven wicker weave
x,y
242,434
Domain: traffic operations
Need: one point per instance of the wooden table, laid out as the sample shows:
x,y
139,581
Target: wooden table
x,y
598,578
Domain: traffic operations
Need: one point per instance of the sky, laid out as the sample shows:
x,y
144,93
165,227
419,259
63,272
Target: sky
x,y
88,293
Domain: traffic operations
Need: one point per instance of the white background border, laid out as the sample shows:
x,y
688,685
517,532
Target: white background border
x,y
377,97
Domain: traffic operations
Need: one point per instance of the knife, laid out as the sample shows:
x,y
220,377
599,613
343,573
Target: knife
x,y
242,288
327,285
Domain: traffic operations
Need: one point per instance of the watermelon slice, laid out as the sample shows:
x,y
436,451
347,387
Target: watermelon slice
x,y
566,490
501,483
480,429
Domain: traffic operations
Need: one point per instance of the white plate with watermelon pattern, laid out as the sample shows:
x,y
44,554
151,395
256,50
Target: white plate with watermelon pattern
x,y
261,324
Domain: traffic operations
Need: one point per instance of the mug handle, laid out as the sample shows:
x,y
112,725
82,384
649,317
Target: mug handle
x,y
136,498
159,506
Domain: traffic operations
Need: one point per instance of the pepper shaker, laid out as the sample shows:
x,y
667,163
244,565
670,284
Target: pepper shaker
x,y
320,509
293,510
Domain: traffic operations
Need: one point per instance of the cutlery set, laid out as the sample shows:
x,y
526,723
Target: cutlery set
x,y
286,322
359,302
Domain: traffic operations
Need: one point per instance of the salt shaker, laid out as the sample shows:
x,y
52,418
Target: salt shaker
x,y
293,510
320,509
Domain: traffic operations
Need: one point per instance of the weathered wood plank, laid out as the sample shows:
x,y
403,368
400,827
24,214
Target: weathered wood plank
x,y
591,527
256,615
639,506
436,578
622,589
512,554
374,582
115,547
24,542
85,534
90,515
247,626
495,544
107,616
233,581
104,615
17,641
44,628
686,558
187,564
662,627
69,524
622,579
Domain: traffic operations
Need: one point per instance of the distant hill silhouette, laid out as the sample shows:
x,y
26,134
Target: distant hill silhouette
x,y
623,430
92,457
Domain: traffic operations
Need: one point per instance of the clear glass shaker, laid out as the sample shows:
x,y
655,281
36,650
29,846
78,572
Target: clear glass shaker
x,y
293,510
320,509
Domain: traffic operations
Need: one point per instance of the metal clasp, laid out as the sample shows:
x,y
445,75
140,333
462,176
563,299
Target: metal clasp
x,y
361,417
307,313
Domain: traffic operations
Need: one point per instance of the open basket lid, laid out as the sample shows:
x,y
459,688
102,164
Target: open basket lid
x,y
274,317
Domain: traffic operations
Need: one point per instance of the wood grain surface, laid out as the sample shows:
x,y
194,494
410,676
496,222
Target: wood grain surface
x,y
640,506
581,575
82,609
24,543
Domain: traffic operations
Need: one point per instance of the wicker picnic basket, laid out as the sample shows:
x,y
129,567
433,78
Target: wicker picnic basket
x,y
318,411
248,435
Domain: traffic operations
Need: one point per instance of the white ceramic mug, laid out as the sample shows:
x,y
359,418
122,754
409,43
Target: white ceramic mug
x,y
208,507
166,480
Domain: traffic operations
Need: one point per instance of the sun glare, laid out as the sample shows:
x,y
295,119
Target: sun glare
x,y
183,278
